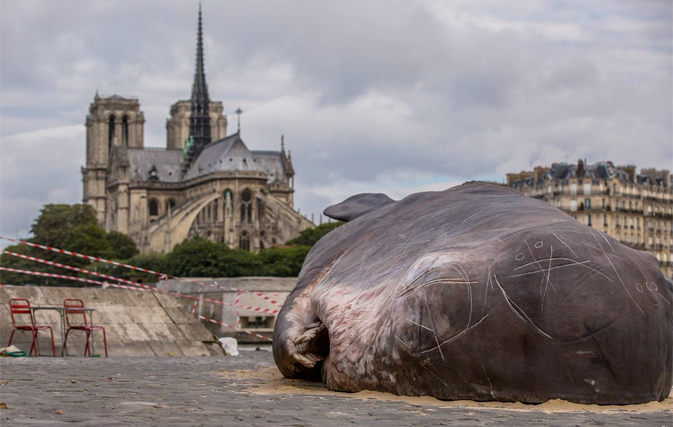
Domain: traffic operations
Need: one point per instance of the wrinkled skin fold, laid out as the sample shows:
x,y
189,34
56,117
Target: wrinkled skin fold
x,y
481,293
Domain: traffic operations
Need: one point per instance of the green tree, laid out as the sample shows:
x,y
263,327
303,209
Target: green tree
x,y
282,262
123,247
89,239
11,261
203,258
310,237
55,222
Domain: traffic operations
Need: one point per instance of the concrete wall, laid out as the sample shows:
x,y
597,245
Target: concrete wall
x,y
262,323
137,323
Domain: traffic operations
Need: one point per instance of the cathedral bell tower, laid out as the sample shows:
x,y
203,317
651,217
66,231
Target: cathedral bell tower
x,y
199,120
112,122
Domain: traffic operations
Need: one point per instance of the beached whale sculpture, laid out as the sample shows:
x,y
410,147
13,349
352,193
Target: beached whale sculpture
x,y
477,292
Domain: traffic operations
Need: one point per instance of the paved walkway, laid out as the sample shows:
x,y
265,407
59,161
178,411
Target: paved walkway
x,y
246,390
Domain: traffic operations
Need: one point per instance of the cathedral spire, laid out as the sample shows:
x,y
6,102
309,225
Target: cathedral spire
x,y
199,121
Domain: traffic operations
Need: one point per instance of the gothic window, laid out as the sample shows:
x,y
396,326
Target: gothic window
x,y
111,131
244,241
260,209
246,206
153,207
125,131
170,204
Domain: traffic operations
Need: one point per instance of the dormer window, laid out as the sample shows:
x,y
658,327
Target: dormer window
x,y
153,174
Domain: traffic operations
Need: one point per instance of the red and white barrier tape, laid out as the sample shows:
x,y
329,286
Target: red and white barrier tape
x,y
128,282
89,257
132,267
208,319
69,267
238,314
62,276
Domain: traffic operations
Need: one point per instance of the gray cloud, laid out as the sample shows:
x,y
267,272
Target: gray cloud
x,y
372,96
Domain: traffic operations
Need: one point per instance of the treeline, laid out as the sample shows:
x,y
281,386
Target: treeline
x,y
74,228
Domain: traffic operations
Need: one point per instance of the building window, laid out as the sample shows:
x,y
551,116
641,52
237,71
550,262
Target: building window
x,y
605,220
111,131
244,241
587,204
589,220
573,189
587,189
573,205
125,131
153,207
246,206
170,204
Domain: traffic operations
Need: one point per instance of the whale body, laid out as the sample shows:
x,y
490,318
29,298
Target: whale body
x,y
477,292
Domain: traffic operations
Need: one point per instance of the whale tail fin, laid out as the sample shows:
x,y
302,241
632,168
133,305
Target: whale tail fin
x,y
357,206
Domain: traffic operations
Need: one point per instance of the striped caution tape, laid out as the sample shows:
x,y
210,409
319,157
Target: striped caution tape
x,y
262,295
217,322
62,276
133,284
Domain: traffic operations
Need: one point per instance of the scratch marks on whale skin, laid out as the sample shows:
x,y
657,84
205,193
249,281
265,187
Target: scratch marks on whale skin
x,y
518,311
467,282
570,264
456,336
616,272
434,327
539,265
470,217
566,245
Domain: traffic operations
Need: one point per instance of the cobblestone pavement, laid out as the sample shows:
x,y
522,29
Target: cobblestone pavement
x,y
225,391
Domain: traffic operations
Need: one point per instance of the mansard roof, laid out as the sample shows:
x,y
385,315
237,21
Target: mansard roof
x,y
165,162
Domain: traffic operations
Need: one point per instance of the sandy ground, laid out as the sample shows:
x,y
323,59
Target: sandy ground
x,y
272,382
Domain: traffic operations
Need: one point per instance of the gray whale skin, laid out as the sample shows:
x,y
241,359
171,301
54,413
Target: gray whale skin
x,y
481,293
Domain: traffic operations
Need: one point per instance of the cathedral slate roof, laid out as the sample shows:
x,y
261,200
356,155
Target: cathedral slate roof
x,y
231,154
271,163
165,162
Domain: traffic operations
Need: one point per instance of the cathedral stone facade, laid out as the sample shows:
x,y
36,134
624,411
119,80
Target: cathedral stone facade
x,y
204,183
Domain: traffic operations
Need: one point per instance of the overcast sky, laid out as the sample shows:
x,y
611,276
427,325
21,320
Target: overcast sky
x,y
372,96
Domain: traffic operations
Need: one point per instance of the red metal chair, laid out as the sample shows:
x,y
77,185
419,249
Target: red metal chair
x,y
21,306
73,311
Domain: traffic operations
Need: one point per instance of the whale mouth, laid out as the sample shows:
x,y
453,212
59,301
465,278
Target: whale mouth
x,y
312,347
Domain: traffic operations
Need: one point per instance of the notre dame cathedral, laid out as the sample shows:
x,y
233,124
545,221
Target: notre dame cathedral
x,y
204,183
